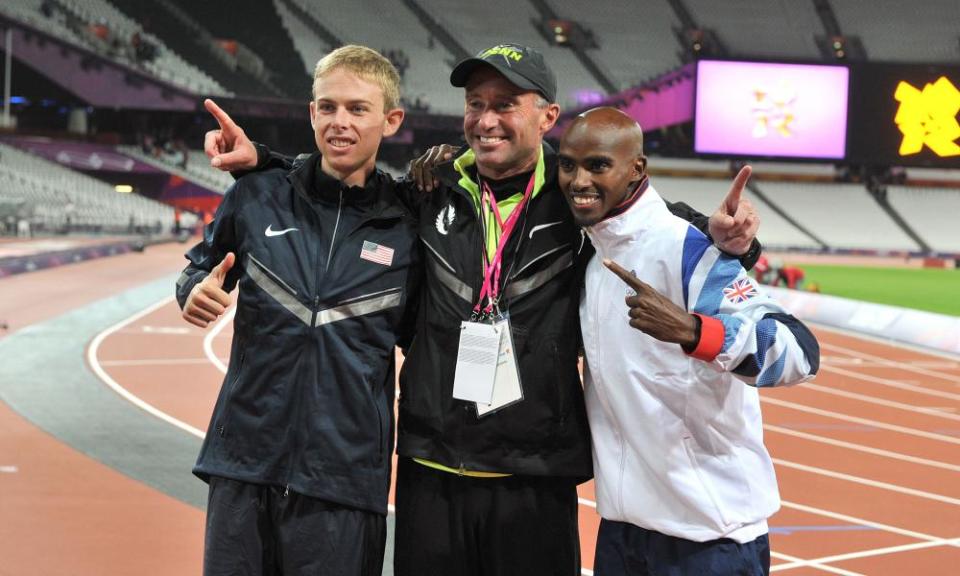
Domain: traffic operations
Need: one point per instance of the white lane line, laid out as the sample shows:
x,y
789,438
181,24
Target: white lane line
x,y
881,402
909,367
155,362
222,323
587,502
923,350
859,521
892,383
795,562
867,553
167,330
136,401
868,482
858,420
862,448
9,469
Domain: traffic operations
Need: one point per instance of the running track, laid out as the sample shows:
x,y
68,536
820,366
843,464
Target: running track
x,y
105,392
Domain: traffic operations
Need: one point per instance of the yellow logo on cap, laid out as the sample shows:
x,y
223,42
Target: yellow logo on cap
x,y
504,50
928,117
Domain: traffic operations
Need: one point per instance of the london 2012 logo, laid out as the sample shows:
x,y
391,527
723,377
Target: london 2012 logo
x,y
928,117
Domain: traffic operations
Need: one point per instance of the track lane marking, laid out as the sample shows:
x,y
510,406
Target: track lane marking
x,y
97,368
895,363
893,383
868,482
881,402
862,448
858,420
867,553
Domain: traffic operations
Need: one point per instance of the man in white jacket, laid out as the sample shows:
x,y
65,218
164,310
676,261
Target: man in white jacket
x,y
684,482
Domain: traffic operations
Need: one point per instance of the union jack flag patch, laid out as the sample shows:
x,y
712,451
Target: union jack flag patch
x,y
376,253
740,291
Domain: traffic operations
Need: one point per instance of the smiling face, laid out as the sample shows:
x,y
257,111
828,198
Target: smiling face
x,y
349,120
504,124
600,161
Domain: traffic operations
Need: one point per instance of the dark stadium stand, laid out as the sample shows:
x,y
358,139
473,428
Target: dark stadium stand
x,y
80,73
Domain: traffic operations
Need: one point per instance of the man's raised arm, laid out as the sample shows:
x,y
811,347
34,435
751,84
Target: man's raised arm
x,y
733,226
229,149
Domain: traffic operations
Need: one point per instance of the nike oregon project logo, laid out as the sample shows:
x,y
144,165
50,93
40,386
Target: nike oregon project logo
x,y
270,232
445,218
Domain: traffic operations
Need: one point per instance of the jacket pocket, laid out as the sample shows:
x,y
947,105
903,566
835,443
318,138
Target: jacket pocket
x,y
229,393
561,393
725,494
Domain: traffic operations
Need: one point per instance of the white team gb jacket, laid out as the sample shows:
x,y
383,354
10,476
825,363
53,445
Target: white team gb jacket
x,y
677,441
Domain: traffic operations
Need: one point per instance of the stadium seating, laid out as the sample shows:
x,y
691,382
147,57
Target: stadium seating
x,y
931,212
57,199
395,27
198,169
771,29
29,11
263,51
842,215
166,65
705,195
309,46
890,32
631,48
481,25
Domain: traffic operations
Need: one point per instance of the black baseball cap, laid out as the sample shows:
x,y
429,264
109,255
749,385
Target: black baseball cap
x,y
521,65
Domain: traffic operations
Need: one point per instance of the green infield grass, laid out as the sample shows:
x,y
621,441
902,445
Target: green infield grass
x,y
931,289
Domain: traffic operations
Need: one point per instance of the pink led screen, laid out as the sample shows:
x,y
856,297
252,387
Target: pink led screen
x,y
765,109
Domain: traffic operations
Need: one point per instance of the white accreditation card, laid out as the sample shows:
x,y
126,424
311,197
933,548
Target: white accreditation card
x,y
506,387
477,361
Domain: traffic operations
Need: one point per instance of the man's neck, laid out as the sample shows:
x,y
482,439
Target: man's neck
x,y
356,178
495,173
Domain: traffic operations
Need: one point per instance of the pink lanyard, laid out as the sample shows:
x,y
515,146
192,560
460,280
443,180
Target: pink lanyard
x,y
491,277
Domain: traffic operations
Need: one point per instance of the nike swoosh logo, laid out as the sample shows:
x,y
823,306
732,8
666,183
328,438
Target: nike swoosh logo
x,y
542,226
270,232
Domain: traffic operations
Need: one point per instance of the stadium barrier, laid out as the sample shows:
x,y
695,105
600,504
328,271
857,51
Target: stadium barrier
x,y
937,332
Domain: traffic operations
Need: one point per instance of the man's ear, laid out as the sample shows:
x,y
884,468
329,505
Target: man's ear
x,y
640,166
313,115
392,121
550,116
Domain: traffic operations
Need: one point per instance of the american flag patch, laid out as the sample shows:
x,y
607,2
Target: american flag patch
x,y
740,291
376,253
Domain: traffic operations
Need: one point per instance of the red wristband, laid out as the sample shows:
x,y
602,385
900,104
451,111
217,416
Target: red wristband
x,y
711,338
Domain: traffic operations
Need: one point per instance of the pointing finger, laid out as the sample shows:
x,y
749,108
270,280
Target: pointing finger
x,y
732,200
631,280
223,119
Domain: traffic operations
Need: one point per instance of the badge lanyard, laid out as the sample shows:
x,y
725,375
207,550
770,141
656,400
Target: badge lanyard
x,y
487,372
491,278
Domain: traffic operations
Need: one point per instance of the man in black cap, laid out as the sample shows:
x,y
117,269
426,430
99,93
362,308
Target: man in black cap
x,y
488,488
481,491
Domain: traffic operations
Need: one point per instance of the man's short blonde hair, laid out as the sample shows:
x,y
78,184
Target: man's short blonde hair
x,y
367,64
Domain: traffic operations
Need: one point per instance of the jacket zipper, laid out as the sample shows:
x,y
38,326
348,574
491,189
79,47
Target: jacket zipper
x,y
294,456
333,239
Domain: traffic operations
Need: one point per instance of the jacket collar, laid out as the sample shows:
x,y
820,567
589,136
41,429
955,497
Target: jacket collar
x,y
377,195
646,212
458,174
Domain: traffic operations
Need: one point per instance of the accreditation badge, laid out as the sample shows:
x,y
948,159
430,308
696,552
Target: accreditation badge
x,y
507,388
477,356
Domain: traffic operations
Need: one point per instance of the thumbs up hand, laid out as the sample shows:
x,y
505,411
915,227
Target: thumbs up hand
x,y
208,300
734,225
